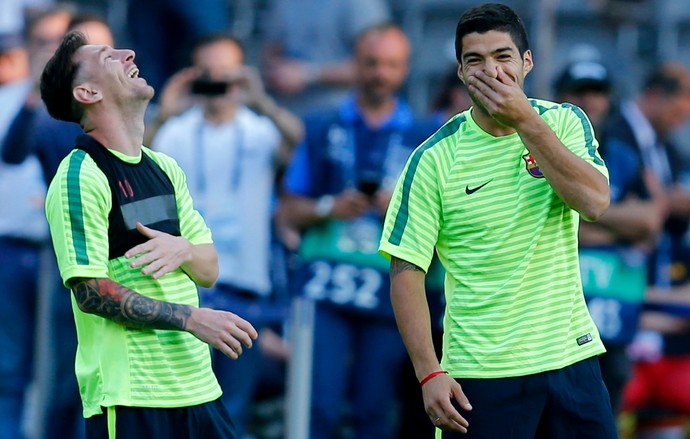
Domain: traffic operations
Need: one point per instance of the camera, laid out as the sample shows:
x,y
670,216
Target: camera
x,y
209,87
368,186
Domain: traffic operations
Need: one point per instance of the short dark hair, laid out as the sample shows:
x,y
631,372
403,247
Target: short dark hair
x,y
671,78
57,79
213,38
487,17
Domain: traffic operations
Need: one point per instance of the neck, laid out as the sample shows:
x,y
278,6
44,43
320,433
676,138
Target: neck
x,y
489,124
218,116
376,111
122,131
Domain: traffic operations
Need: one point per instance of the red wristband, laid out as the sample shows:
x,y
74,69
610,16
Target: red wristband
x,y
430,376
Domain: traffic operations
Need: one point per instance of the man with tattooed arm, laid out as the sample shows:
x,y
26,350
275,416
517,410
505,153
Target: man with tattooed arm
x,y
132,249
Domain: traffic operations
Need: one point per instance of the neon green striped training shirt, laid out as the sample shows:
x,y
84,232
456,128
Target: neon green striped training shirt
x,y
116,365
508,243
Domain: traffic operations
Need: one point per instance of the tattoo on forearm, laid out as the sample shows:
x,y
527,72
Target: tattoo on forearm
x,y
398,266
118,303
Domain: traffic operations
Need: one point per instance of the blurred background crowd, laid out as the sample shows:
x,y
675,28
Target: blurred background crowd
x,y
292,120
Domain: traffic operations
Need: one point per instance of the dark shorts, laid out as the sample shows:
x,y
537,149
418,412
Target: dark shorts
x,y
569,403
205,421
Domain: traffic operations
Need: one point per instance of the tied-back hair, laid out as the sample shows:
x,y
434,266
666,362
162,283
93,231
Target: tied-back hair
x,y
57,80
487,17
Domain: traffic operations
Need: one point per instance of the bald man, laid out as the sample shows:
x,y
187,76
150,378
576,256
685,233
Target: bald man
x,y
338,188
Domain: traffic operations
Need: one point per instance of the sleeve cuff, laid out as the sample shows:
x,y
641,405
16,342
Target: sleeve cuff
x,y
389,250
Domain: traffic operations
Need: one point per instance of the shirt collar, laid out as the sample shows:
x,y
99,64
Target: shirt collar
x,y
88,141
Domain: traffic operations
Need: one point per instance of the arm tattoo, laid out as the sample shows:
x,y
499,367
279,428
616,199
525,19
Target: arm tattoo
x,y
398,266
118,303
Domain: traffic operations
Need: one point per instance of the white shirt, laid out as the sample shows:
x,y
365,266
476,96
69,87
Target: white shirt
x,y
230,173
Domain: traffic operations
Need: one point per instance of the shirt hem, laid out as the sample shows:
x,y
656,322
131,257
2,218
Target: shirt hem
x,y
511,372
97,409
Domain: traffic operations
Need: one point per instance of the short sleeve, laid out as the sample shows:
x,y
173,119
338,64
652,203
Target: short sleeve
x,y
263,131
77,206
576,133
413,219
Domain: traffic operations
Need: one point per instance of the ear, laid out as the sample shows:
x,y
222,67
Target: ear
x,y
86,94
527,62
460,75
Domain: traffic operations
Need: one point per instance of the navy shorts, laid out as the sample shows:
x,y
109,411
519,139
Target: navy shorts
x,y
569,403
204,421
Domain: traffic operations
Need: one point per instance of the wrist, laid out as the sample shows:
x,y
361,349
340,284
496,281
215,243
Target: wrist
x,y
190,322
431,376
528,123
324,206
188,249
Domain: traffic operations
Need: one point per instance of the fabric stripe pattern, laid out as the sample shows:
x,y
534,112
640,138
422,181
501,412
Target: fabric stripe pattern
x,y
508,243
116,365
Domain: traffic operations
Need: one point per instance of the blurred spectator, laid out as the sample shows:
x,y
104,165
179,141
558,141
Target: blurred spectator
x,y
230,144
665,385
641,131
43,31
23,233
162,32
93,26
614,251
337,191
588,85
451,99
307,55
12,13
639,154
34,133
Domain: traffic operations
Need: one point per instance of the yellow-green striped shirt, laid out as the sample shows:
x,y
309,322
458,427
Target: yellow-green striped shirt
x,y
508,243
116,365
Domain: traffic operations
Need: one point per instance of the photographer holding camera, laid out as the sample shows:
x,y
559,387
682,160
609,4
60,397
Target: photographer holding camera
x,y
337,191
231,139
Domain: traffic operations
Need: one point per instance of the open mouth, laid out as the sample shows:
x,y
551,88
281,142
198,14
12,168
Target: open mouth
x,y
133,72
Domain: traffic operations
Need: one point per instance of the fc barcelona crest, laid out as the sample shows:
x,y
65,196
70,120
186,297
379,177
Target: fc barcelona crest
x,y
532,166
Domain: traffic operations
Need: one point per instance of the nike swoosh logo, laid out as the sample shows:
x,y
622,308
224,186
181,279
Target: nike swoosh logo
x,y
469,191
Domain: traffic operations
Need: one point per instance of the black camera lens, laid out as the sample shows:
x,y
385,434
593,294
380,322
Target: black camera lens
x,y
208,87
368,187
